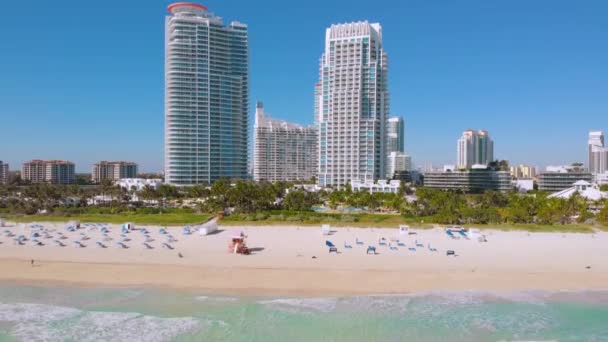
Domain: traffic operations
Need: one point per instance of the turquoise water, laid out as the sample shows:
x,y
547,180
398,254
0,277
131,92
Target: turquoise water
x,y
65,314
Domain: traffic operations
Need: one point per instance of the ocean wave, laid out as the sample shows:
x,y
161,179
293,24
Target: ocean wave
x,y
302,304
37,322
215,299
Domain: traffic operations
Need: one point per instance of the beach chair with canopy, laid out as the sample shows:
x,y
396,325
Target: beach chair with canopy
x,y
371,250
331,246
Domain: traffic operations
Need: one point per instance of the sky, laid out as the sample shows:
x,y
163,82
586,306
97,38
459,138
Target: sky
x,y
84,80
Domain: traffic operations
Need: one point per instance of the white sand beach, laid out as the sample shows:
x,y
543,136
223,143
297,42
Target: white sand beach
x,y
295,260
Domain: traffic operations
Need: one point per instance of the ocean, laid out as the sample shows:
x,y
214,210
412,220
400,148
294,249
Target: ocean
x,y
80,314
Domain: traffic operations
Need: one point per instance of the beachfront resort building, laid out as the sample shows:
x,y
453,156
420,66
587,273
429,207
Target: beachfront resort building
x,y
354,105
49,171
475,180
523,172
113,171
474,148
598,153
283,151
558,178
206,96
395,135
3,172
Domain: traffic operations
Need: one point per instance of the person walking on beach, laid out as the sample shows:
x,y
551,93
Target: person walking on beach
x,y
32,262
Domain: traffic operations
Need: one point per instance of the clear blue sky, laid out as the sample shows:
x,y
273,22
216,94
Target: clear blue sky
x,y
83,80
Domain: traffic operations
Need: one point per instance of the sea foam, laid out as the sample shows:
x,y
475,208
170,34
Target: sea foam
x,y
36,322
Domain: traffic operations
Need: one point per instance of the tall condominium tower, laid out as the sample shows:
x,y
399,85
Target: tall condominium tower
x,y
283,151
353,106
395,132
3,172
113,171
598,153
474,147
206,96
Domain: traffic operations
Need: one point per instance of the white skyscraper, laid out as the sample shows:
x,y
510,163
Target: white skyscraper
x,y
598,153
474,147
283,151
206,96
353,105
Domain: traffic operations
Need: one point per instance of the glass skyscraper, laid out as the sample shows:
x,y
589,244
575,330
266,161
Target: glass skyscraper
x,y
206,96
474,148
352,105
395,135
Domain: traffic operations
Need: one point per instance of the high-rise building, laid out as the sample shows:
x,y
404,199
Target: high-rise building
x,y
398,162
49,171
523,172
598,153
395,132
354,105
3,173
283,151
474,148
113,170
206,96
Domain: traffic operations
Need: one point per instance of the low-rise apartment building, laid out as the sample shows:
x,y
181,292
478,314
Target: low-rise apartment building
x,y
474,180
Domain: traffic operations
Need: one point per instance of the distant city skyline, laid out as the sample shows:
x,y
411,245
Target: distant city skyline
x,y
526,72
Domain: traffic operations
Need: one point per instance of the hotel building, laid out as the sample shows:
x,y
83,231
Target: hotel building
x,y
474,148
3,173
283,151
473,180
113,171
206,96
558,178
353,105
49,171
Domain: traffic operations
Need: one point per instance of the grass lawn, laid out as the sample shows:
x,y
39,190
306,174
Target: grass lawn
x,y
168,219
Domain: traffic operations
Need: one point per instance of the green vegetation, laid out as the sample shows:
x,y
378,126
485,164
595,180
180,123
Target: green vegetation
x,y
273,203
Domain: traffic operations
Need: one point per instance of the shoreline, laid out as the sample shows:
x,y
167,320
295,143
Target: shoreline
x,y
286,282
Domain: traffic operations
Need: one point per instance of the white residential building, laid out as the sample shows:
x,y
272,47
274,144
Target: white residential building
x,y
598,153
206,96
283,151
139,183
398,161
382,186
523,172
49,171
474,147
353,105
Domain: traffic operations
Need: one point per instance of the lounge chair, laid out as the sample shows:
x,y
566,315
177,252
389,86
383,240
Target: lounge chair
x,y
59,243
400,243
419,244
101,245
346,245
371,250
121,245
167,246
147,246
450,252
393,248
382,242
332,247
413,249
359,242
451,234
464,234
431,248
